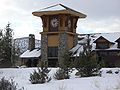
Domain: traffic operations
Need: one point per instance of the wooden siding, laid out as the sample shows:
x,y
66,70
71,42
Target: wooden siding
x,y
102,41
70,41
53,40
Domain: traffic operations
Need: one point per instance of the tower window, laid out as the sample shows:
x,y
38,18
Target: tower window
x,y
52,51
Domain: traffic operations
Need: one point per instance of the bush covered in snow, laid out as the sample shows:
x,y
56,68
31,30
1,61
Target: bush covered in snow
x,y
86,63
42,75
8,85
65,64
60,74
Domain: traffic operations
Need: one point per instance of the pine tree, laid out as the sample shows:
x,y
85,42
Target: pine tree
x,y
65,64
6,46
40,76
1,45
16,52
86,64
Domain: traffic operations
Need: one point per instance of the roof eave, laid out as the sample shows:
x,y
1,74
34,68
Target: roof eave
x,y
102,37
29,57
41,13
117,40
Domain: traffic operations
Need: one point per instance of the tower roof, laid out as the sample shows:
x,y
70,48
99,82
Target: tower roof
x,y
58,9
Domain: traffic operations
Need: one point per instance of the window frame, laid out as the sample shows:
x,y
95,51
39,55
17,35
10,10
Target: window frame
x,y
102,45
53,51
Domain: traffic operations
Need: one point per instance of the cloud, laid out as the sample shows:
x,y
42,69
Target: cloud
x,y
102,15
26,26
22,21
99,26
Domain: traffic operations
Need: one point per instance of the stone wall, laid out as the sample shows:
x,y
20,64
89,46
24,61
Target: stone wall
x,y
44,47
62,45
75,40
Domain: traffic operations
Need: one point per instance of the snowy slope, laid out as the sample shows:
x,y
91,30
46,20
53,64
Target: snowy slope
x,y
106,82
22,43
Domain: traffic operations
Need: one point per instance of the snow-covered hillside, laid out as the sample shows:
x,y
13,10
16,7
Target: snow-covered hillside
x,y
107,81
22,43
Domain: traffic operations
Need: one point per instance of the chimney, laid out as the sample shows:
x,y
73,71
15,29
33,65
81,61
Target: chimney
x,y
31,45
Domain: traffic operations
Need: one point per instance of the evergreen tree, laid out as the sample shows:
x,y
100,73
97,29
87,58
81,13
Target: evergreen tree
x,y
1,45
66,64
60,74
1,34
6,46
40,76
9,85
86,63
15,53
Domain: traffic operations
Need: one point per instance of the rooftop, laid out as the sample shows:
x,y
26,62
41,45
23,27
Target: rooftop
x,y
111,37
31,54
58,9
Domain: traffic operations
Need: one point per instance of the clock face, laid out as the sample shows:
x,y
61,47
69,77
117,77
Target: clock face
x,y
69,23
54,22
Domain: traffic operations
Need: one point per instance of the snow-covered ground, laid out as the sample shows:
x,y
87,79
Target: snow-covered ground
x,y
107,81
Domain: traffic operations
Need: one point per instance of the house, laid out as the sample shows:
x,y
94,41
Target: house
x,y
31,56
105,45
107,49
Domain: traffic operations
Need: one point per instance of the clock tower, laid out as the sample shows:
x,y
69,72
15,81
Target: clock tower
x,y
59,31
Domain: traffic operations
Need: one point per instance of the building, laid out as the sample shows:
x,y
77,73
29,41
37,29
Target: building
x,y
59,34
59,31
105,45
31,56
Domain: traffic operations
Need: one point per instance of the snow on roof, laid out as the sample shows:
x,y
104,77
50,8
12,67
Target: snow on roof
x,y
53,8
113,47
31,54
58,9
112,37
84,40
75,48
79,51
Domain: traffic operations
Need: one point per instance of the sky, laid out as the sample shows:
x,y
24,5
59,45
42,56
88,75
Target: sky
x,y
103,16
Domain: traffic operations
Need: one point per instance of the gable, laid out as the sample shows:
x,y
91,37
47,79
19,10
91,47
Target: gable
x,y
101,40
